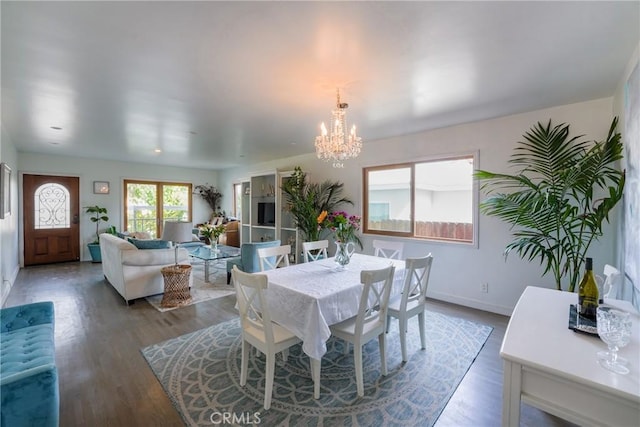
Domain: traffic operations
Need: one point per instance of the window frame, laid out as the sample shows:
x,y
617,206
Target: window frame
x,y
160,201
474,155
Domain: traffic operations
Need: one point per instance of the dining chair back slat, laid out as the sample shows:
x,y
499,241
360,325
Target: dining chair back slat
x,y
388,249
374,299
313,251
274,257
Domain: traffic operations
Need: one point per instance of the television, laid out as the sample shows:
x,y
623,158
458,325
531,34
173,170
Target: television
x,y
266,213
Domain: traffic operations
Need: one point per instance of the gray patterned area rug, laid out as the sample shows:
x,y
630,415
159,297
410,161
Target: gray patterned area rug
x,y
200,372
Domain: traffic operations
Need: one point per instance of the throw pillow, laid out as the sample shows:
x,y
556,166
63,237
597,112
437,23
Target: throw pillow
x,y
150,244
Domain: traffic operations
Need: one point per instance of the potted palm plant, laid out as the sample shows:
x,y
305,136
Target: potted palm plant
x,y
307,200
559,198
98,214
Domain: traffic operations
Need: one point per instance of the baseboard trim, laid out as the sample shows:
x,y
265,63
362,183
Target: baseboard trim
x,y
469,302
7,289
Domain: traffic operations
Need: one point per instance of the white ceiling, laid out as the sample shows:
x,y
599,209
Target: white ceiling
x,y
220,84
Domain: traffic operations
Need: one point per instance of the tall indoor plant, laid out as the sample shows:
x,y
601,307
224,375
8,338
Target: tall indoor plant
x,y
209,194
307,200
559,198
98,214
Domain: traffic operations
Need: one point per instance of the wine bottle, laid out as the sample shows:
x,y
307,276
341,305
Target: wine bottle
x,y
588,293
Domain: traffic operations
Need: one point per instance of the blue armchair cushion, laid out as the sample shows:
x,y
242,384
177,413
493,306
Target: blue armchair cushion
x,y
28,376
248,260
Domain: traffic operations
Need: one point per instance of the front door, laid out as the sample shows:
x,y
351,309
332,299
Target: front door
x,y
51,221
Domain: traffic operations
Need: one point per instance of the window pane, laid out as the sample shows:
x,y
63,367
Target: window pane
x,y
389,200
141,208
444,199
52,207
175,203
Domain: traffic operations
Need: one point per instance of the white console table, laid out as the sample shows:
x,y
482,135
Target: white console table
x,y
555,369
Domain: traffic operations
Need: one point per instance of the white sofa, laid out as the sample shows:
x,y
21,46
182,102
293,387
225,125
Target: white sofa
x,y
133,272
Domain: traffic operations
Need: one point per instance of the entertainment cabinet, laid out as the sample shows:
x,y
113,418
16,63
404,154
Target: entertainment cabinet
x,y
264,214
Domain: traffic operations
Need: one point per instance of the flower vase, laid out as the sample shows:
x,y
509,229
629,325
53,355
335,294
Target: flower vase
x,y
343,254
214,245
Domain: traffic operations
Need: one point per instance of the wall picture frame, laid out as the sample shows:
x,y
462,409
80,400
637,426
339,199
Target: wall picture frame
x,y
5,190
100,187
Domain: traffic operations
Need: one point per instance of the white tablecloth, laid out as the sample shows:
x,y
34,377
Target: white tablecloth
x,y
307,298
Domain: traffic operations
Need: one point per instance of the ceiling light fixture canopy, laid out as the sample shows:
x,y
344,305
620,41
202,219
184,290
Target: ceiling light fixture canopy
x,y
337,146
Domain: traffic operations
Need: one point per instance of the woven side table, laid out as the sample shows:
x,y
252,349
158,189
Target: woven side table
x,y
176,285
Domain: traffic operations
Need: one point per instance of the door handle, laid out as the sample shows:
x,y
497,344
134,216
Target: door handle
x,y
75,219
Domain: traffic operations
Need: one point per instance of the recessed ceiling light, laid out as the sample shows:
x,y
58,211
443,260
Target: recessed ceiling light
x,y
241,155
157,150
54,143
56,128
193,133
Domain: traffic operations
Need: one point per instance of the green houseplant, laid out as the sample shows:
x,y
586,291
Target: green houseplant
x,y
307,200
98,214
559,198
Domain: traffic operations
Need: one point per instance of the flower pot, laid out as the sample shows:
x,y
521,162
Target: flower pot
x,y
94,250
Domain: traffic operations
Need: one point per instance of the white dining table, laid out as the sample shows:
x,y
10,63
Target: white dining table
x,y
307,298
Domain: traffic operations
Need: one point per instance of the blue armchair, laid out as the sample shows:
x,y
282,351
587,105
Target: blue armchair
x,y
248,260
28,374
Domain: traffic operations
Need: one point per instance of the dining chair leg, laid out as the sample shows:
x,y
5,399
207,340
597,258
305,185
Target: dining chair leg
x,y
357,358
423,340
383,354
403,337
388,322
268,387
244,366
346,347
315,375
285,356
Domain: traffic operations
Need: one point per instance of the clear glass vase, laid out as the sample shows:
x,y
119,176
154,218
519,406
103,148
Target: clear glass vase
x,y
343,253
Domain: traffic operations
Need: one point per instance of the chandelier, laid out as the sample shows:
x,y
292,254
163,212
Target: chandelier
x,y
337,146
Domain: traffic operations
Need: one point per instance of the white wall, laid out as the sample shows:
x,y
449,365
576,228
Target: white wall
x,y
459,270
9,262
89,170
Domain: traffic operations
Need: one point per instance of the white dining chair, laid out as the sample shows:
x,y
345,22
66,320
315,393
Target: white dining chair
x,y
371,320
388,249
412,300
319,247
257,328
271,258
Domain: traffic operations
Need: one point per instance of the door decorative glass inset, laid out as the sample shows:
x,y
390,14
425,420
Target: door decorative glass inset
x,y
52,207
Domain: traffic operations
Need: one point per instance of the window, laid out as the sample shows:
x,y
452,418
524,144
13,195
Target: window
x,y
149,204
237,200
433,199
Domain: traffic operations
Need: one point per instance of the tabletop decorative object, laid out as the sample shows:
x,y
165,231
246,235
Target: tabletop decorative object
x,y
344,228
213,233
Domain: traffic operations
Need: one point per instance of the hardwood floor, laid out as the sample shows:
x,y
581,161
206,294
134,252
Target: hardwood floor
x,y
105,381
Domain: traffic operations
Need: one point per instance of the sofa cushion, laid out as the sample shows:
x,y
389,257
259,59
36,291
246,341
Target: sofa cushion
x,y
150,244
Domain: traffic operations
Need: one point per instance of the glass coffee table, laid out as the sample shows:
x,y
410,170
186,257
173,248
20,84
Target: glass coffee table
x,y
208,255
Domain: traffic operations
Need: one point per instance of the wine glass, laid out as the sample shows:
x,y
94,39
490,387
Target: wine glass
x,y
614,328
